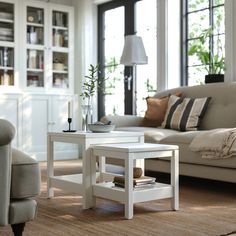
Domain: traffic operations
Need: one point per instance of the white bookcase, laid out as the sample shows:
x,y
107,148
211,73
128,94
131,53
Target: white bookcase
x,y
37,73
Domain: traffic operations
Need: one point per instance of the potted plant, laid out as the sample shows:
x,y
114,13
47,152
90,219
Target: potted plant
x,y
214,64
91,84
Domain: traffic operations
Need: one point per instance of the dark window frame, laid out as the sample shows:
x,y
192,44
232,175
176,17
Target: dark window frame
x,y
185,39
129,29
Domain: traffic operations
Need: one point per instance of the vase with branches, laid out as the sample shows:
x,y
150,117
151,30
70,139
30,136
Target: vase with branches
x,y
91,84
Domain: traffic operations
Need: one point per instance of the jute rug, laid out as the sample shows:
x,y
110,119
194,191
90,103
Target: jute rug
x,y
206,208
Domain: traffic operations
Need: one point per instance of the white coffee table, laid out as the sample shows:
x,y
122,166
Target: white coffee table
x,y
130,152
81,183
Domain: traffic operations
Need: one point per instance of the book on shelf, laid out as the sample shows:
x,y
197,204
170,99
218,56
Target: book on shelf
x,y
141,186
119,181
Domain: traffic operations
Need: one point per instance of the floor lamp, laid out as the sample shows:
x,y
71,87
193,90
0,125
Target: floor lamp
x,y
133,54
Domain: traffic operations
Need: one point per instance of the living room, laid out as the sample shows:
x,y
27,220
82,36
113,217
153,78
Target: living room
x,y
51,52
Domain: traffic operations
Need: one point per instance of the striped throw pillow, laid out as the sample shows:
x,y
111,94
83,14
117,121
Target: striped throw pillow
x,y
184,114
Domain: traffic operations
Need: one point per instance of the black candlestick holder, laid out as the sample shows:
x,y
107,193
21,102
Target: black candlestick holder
x,y
69,122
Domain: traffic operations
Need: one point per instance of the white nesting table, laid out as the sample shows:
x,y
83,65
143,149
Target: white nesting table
x,y
81,183
130,152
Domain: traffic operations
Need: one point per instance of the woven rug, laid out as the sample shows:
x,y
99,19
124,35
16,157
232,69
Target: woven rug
x,y
206,208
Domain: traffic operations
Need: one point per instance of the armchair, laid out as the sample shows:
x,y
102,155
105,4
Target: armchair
x,y
19,182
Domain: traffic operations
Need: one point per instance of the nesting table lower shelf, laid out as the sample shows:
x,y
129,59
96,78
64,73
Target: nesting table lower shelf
x,y
142,194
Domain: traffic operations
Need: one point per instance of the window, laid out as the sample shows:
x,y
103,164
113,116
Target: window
x,y
116,19
203,39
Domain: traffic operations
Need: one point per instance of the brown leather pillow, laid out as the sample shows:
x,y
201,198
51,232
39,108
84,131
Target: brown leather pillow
x,y
156,110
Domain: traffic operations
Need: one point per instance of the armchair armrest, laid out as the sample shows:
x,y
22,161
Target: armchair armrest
x,y
123,121
7,132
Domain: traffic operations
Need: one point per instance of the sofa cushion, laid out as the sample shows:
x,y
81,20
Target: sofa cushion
x,y
183,140
151,135
184,114
156,110
25,179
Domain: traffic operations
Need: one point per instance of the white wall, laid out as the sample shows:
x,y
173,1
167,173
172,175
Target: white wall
x,y
85,42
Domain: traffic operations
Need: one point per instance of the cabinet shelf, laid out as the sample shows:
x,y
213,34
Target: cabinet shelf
x,y
60,72
34,70
6,68
2,20
60,49
35,46
60,28
7,44
35,24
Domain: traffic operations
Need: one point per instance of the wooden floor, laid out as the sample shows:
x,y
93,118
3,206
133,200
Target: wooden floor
x,y
206,208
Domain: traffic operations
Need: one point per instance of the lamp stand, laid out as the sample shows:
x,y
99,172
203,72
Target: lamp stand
x,y
134,92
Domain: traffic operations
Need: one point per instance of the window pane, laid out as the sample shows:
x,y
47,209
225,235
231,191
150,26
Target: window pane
x,y
194,5
114,36
219,23
114,90
113,44
218,2
197,22
147,29
196,75
219,53
205,48
198,53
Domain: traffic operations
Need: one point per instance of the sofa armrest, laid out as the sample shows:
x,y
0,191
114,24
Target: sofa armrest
x,y
7,132
123,121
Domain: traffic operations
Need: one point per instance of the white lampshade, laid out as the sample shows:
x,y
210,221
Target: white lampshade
x,y
133,52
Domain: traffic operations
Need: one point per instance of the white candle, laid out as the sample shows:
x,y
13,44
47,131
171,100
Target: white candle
x,y
69,116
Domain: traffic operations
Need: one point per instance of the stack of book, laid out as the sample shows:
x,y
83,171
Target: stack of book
x,y
143,181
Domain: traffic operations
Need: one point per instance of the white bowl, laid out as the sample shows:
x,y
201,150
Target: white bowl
x,y
101,128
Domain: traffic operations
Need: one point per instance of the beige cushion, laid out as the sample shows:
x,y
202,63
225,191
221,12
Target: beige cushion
x,y
185,114
25,179
155,113
156,110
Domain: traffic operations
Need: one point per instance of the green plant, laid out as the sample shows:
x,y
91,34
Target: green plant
x,y
92,83
213,63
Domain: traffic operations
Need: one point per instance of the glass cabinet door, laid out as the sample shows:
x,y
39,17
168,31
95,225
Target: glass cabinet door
x,y
35,31
7,44
60,34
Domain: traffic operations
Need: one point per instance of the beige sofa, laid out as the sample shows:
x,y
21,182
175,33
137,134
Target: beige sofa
x,y
221,113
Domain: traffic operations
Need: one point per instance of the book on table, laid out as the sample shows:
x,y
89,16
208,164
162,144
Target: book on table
x,y
142,181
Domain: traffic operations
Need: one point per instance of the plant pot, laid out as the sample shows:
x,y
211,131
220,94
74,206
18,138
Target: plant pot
x,y
214,78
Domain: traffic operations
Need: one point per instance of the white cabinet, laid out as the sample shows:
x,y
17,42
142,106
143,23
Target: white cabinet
x,y
48,38
47,113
